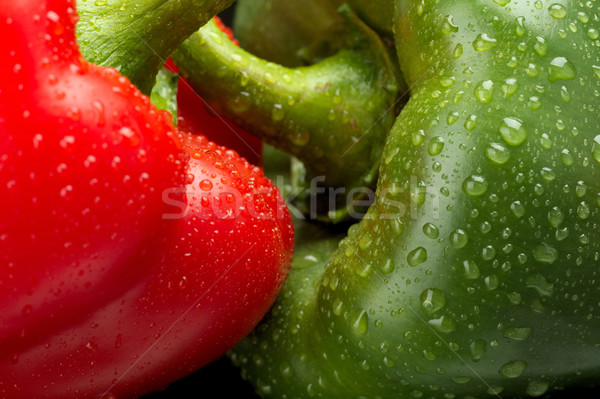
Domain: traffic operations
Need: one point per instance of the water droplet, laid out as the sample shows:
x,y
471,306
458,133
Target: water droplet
x,y
537,388
444,324
566,158
391,154
459,239
452,118
512,131
37,140
593,34
431,231
416,256
432,300
491,282
477,349
241,103
561,233
484,91
278,113
557,11
388,267
520,28
361,322
484,43
206,185
131,137
497,153
580,189
513,369
540,46
583,211
68,141
517,333
475,185
564,94
509,87
495,390
461,379
471,122
436,145
534,103
418,137
447,81
515,298
502,2
540,284
458,51
548,174
471,270
583,17
429,355
596,148
544,253
532,70
555,217
448,26
561,68
518,209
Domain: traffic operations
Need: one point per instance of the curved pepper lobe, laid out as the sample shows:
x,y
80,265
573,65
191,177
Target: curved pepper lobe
x,y
85,159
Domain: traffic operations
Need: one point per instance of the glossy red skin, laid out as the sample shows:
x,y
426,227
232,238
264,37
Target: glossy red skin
x,y
115,276
195,115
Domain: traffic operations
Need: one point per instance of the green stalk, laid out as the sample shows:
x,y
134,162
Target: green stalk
x,y
334,115
136,37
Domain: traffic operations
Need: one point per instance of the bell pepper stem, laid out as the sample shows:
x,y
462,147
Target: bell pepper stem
x,y
340,108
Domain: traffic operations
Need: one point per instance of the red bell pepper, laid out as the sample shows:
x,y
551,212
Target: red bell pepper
x,y
131,253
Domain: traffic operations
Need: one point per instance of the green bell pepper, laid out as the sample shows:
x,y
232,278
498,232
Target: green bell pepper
x,y
475,272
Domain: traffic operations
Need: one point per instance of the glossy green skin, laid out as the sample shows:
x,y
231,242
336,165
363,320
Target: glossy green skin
x,y
136,37
506,299
334,115
164,92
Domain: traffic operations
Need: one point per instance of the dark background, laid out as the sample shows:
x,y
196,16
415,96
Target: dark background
x,y
221,379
